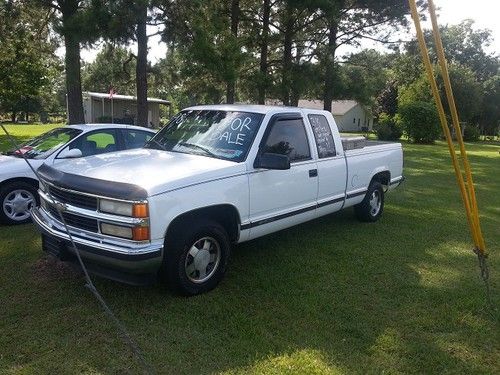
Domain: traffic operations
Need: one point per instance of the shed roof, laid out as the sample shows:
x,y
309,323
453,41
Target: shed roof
x,y
101,95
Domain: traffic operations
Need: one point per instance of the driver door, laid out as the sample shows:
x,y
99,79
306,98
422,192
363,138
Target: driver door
x,y
283,198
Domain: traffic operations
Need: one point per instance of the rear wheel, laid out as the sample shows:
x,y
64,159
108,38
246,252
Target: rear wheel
x,y
371,207
17,199
196,257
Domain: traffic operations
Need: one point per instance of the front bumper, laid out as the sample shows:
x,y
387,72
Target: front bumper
x,y
125,262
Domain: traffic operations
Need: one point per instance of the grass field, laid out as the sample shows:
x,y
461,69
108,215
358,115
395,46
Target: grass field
x,y
334,295
23,133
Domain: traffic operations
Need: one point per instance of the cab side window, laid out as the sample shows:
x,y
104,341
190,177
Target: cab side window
x,y
288,137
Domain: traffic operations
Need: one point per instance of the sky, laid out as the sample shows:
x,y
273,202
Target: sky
x,y
485,13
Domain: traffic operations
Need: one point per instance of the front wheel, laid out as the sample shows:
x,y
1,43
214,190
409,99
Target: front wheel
x,y
196,257
371,207
17,199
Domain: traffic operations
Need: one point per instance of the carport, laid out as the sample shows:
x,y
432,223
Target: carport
x,y
120,109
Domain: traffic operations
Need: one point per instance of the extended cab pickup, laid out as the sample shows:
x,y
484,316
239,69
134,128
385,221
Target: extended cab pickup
x,y
214,176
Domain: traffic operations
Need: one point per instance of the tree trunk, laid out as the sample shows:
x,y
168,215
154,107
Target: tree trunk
x,y
295,87
13,116
287,57
330,66
141,68
235,19
73,79
263,51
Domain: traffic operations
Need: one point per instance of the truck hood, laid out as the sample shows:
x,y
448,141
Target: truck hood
x,y
155,171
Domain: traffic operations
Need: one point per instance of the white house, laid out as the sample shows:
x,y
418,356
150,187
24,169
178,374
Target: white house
x,y
100,107
349,115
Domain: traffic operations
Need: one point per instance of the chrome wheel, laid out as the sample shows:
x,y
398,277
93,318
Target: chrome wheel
x,y
375,203
202,260
17,204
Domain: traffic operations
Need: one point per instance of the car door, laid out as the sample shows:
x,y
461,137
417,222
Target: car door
x,y
282,198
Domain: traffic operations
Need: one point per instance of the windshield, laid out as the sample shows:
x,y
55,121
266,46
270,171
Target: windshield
x,y
219,134
45,144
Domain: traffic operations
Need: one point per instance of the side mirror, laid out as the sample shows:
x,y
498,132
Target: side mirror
x,y
69,154
270,160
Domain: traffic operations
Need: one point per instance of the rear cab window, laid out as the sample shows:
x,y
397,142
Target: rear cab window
x,y
323,136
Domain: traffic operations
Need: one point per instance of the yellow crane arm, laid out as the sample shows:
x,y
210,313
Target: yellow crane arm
x,y
466,186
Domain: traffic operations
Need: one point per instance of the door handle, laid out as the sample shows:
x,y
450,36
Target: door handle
x,y
313,173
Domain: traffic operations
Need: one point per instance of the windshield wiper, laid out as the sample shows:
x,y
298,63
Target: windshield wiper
x,y
205,150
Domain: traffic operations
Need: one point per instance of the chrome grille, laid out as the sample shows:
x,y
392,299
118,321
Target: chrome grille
x,y
76,221
78,200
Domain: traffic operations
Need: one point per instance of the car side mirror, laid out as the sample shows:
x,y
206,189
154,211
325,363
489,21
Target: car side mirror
x,y
70,154
270,160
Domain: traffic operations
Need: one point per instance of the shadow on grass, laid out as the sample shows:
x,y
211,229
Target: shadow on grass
x,y
367,305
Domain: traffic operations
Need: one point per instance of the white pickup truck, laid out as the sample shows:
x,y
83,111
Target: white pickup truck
x,y
215,176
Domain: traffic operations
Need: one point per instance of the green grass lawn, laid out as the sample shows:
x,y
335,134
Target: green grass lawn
x,y
402,295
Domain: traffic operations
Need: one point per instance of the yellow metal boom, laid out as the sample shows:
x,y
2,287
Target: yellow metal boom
x,y
465,183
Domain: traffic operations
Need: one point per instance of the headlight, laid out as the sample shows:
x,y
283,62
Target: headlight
x,y
116,230
123,208
115,207
138,233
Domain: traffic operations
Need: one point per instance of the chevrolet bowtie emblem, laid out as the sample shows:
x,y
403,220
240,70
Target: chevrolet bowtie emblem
x,y
61,206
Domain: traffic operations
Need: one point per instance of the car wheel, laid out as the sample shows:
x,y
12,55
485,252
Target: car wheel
x,y
371,207
17,199
196,257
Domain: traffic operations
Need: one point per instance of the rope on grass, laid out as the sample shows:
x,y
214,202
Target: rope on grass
x,y
122,330
485,275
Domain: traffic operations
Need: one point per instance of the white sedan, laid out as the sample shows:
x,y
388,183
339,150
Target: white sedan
x,y
18,183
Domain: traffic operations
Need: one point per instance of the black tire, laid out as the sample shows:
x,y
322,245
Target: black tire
x,y
7,198
178,258
370,210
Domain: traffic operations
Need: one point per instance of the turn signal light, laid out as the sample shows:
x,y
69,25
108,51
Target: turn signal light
x,y
140,210
140,233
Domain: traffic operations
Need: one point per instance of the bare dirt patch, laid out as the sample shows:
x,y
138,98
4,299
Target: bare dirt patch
x,y
49,268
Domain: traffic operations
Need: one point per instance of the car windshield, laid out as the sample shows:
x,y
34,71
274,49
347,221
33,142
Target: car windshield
x,y
45,144
218,134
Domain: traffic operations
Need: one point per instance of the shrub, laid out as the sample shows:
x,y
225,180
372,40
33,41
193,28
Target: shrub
x,y
420,121
471,133
388,128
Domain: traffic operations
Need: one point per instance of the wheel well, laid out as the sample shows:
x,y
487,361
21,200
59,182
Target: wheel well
x,y
224,214
383,177
27,180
